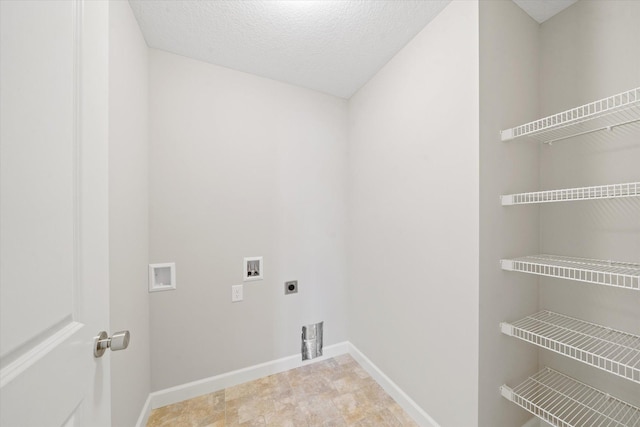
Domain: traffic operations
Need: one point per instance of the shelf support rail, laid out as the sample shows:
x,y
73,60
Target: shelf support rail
x,y
587,132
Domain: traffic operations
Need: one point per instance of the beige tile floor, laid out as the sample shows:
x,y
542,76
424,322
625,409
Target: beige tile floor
x,y
332,393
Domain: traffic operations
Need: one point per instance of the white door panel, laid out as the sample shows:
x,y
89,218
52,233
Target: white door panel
x,y
38,200
53,212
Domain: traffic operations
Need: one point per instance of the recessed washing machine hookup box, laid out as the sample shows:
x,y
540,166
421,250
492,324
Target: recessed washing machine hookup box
x,y
252,268
162,277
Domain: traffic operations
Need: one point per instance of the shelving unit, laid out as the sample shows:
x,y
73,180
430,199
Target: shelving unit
x,y
630,189
606,273
551,395
604,114
613,351
563,401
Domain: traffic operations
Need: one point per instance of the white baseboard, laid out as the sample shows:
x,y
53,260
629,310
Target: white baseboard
x,y
193,389
144,414
410,407
229,379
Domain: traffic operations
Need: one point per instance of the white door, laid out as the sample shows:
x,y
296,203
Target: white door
x,y
53,212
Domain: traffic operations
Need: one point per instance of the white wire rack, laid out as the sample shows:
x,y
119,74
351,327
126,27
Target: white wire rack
x,y
629,189
607,273
607,113
613,351
565,402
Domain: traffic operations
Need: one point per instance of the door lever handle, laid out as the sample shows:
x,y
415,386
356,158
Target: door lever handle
x,y
116,342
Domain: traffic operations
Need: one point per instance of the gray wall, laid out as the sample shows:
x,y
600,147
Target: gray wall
x,y
413,225
242,166
590,51
128,213
508,97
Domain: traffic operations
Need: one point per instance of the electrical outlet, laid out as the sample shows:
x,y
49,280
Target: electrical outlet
x,y
236,293
291,287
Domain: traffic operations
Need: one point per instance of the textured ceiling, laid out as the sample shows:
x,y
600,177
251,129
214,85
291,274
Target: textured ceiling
x,y
330,46
334,46
541,10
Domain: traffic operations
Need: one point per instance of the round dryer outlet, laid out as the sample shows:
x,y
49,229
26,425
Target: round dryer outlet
x,y
291,287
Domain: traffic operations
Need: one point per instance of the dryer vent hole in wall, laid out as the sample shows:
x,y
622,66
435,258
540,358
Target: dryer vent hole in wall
x,y
312,341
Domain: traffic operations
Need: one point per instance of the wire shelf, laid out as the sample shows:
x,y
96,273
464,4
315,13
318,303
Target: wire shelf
x,y
564,402
612,191
613,351
607,113
606,273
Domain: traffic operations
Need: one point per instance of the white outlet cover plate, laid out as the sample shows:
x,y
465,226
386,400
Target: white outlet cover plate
x,y
237,293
